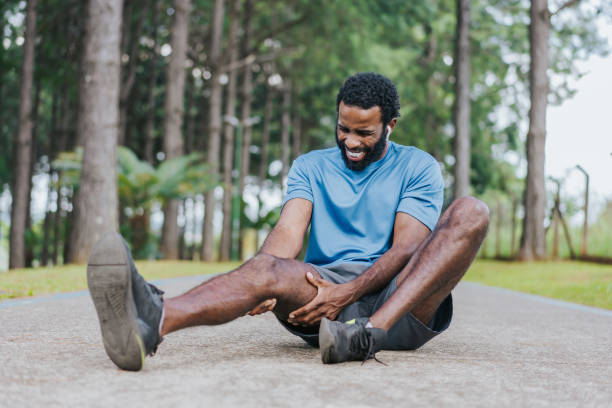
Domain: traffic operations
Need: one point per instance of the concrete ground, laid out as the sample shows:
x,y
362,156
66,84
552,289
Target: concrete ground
x,y
503,348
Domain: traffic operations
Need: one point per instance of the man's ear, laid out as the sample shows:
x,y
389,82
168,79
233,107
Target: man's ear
x,y
390,127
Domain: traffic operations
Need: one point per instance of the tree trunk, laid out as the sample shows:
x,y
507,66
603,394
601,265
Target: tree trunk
x,y
149,131
297,132
173,138
96,206
533,245
214,130
57,222
498,226
265,137
228,148
128,78
23,142
286,128
462,100
44,253
247,97
190,117
515,203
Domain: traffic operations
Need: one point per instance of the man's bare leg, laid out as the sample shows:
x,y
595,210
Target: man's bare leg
x,y
231,295
438,265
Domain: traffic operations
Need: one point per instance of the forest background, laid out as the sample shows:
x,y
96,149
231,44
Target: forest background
x,y
213,99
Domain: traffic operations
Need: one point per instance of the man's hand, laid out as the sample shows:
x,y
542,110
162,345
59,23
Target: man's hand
x,y
265,306
330,300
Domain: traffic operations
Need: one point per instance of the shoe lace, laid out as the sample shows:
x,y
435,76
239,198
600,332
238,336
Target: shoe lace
x,y
362,344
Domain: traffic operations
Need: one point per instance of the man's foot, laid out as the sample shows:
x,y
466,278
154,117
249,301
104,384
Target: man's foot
x,y
341,342
129,309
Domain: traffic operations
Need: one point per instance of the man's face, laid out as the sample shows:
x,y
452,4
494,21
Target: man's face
x,y
360,135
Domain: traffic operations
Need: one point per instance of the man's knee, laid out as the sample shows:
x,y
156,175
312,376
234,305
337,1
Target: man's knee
x,y
471,213
266,268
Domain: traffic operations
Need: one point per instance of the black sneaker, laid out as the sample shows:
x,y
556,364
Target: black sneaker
x,y
129,309
341,342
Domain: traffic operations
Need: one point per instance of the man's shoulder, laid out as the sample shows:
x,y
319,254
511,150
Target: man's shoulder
x,y
414,155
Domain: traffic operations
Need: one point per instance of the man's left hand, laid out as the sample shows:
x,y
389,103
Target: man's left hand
x,y
331,298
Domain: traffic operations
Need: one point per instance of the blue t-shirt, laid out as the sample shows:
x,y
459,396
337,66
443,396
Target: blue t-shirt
x,y
353,213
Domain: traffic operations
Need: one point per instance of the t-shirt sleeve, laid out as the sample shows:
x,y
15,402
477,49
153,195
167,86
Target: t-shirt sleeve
x,y
423,194
298,183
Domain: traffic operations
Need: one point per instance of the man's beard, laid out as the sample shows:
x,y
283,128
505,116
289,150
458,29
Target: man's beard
x,y
371,154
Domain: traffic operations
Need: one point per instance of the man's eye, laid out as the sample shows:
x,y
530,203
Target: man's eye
x,y
343,129
364,133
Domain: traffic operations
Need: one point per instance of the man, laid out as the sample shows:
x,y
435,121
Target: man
x,y
379,267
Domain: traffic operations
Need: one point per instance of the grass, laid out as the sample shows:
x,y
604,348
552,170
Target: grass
x,y
42,281
579,282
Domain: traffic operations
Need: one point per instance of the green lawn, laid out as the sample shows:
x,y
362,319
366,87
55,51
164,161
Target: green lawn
x,y
586,283
579,282
42,281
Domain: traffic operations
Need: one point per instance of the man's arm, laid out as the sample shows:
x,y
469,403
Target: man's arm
x,y
408,233
286,238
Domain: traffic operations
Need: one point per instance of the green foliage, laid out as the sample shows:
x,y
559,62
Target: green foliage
x,y
140,183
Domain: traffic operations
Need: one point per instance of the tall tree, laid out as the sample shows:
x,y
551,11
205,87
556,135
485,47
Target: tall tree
x,y
285,131
23,141
533,240
149,131
98,121
228,145
247,95
128,74
214,129
462,100
265,136
533,243
173,138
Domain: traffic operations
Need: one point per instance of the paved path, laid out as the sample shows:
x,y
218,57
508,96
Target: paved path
x,y
502,349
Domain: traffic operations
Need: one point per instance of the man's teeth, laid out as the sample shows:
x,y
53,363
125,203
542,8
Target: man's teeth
x,y
354,155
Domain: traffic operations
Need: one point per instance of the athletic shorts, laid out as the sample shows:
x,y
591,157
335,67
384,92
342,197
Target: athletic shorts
x,y
408,333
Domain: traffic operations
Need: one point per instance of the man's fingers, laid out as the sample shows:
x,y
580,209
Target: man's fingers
x,y
263,307
314,280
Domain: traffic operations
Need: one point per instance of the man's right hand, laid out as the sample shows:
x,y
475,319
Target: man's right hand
x,y
265,306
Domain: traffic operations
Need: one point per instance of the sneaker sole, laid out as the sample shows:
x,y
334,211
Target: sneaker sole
x,y
327,341
110,286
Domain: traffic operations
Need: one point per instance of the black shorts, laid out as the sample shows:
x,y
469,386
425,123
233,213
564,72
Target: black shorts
x,y
408,333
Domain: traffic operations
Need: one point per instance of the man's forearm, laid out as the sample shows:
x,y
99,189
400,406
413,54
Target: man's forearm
x,y
381,272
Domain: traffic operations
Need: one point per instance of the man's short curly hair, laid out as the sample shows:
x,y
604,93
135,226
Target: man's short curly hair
x,y
367,89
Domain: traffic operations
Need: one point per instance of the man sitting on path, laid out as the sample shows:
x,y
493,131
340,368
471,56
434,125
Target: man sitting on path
x,y
379,267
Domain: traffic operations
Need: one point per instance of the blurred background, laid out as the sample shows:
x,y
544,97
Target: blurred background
x,y
177,121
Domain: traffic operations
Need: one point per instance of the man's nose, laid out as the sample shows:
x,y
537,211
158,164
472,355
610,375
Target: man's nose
x,y
352,142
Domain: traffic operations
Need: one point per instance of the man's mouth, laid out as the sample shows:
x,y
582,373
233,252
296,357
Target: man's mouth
x,y
354,156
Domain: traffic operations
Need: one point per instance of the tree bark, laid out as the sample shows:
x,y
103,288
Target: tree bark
x,y
128,78
23,141
533,243
297,132
214,130
462,100
265,137
98,122
173,138
228,148
247,97
286,128
189,116
149,130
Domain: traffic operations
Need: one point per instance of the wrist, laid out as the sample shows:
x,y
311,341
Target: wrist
x,y
353,291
